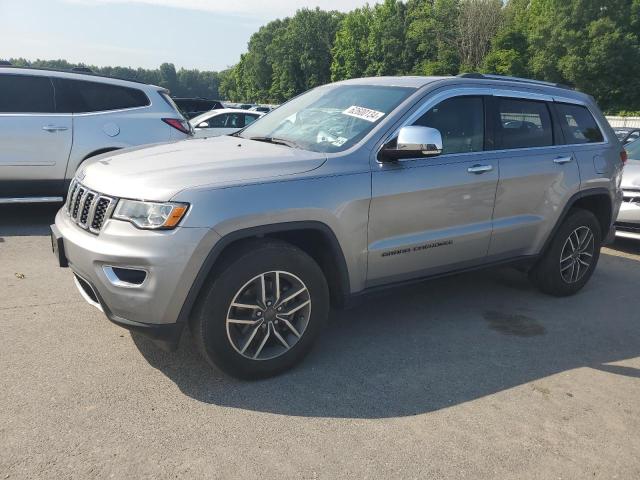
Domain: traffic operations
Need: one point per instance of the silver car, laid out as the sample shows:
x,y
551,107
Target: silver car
x,y
628,222
52,121
346,189
223,121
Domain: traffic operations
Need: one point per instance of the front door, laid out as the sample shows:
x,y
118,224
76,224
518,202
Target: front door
x,y
34,141
431,215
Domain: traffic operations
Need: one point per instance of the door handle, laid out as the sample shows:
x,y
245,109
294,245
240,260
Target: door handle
x,y
478,169
562,160
54,128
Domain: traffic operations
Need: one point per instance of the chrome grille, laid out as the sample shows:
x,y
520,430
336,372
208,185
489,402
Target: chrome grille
x,y
87,208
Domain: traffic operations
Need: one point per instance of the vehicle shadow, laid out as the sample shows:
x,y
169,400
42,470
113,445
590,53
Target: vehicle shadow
x,y
27,220
434,345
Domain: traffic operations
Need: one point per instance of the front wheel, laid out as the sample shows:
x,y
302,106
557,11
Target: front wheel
x,y
261,314
569,262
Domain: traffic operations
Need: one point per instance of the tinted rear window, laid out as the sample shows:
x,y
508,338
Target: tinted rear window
x,y
523,124
77,96
26,94
578,124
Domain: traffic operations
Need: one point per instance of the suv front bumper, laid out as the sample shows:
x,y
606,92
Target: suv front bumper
x,y
170,260
628,221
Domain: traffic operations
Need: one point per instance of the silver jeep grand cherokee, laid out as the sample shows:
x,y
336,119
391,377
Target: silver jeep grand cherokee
x,y
350,187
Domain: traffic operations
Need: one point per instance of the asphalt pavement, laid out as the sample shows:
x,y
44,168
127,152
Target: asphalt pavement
x,y
476,376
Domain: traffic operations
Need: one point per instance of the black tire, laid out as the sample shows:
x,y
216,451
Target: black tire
x,y
213,335
554,277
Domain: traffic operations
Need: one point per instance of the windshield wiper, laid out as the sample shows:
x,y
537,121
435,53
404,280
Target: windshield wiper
x,y
278,141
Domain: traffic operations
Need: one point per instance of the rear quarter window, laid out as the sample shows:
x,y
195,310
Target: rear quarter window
x,y
26,94
578,124
79,96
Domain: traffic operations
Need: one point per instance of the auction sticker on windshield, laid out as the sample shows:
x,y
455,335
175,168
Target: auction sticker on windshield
x,y
364,113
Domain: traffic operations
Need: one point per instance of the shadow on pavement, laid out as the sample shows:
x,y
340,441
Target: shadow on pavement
x,y
431,346
27,220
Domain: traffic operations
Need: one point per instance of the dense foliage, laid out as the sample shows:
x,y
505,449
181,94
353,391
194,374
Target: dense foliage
x,y
592,45
181,83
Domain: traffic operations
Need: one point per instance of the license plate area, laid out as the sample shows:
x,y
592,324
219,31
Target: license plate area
x,y
57,246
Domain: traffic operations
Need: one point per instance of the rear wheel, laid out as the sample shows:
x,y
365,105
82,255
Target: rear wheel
x,y
570,260
261,314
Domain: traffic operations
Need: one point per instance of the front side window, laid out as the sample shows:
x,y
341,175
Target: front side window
x,y
26,94
578,124
331,118
218,121
523,124
460,121
79,96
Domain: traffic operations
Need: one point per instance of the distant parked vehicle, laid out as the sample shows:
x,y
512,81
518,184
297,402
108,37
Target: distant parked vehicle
x,y
192,107
51,121
627,134
260,108
222,122
628,222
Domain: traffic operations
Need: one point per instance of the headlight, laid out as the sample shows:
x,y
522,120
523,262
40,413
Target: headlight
x,y
150,215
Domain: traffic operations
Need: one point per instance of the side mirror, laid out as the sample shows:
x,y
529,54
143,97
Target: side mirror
x,y
203,125
413,142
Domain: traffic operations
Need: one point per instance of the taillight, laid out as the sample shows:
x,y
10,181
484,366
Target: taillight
x,y
623,156
178,124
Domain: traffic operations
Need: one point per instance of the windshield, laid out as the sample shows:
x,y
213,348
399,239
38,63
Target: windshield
x,y
633,150
330,118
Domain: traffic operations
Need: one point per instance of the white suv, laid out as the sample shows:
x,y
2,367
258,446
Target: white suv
x,y
51,121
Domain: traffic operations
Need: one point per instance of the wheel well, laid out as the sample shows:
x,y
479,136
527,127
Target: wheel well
x,y
322,246
99,152
600,206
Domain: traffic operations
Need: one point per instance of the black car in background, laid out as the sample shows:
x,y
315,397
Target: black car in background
x,y
192,107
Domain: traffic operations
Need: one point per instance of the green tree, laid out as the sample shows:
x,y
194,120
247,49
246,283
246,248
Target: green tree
x,y
351,48
386,46
431,42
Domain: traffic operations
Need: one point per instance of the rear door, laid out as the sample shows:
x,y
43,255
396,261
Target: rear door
x,y
430,215
35,141
538,175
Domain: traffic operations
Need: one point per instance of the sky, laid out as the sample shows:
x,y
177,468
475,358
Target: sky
x,y
203,34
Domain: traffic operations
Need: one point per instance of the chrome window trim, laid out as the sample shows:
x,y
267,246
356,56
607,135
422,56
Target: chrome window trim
x,y
493,92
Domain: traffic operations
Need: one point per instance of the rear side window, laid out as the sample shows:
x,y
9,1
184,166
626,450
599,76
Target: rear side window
x,y
578,124
523,124
79,96
26,94
460,121
249,119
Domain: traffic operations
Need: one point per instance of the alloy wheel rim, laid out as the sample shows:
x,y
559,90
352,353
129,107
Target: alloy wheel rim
x,y
268,315
577,254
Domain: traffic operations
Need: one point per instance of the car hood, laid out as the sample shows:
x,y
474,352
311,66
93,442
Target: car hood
x,y
631,175
159,172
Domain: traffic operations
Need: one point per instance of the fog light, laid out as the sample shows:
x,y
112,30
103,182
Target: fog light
x,y
124,276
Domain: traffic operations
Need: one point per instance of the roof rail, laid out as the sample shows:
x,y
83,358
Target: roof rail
x,y
489,76
74,71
